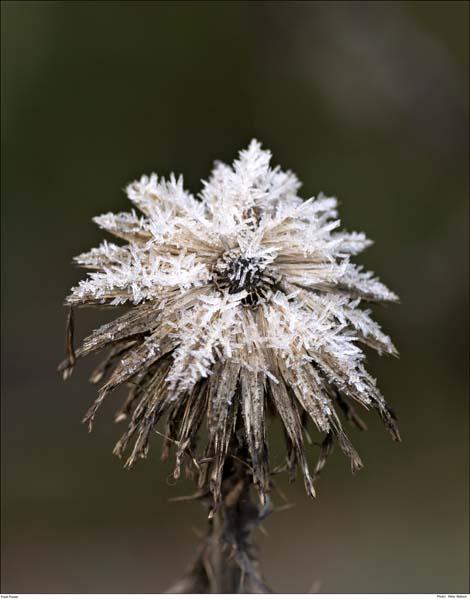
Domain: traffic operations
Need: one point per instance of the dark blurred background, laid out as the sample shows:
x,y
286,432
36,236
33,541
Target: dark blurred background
x,y
364,100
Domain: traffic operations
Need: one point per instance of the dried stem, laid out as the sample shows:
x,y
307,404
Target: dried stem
x,y
226,560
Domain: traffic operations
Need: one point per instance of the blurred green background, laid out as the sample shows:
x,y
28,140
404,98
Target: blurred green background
x,y
364,100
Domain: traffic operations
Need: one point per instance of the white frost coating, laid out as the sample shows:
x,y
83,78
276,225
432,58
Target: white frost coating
x,y
251,282
135,274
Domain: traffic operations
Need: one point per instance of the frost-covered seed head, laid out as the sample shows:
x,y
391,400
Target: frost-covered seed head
x,y
243,304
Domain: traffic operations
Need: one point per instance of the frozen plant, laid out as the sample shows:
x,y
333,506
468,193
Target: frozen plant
x,y
243,304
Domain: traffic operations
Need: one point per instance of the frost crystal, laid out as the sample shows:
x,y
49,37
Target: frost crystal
x,y
245,304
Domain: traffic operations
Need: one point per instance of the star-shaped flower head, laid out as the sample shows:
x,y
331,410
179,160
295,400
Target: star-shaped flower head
x,y
243,304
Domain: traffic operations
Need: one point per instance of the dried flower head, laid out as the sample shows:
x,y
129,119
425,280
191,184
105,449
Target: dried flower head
x,y
245,304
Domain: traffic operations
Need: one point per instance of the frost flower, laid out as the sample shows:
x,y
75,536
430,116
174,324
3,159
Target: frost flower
x,y
244,304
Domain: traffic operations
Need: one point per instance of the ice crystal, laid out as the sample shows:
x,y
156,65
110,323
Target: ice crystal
x,y
244,304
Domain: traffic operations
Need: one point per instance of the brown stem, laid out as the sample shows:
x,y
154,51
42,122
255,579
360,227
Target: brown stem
x,y
226,560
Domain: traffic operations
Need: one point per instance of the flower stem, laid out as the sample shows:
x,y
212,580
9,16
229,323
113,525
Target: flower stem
x,y
226,560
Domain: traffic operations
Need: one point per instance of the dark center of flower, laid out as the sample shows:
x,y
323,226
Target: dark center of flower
x,y
238,272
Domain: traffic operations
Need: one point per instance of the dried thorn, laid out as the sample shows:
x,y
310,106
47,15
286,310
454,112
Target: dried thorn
x,y
390,419
129,463
282,495
307,436
168,439
88,420
280,469
197,496
67,365
284,507
238,459
204,461
326,448
350,413
265,510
